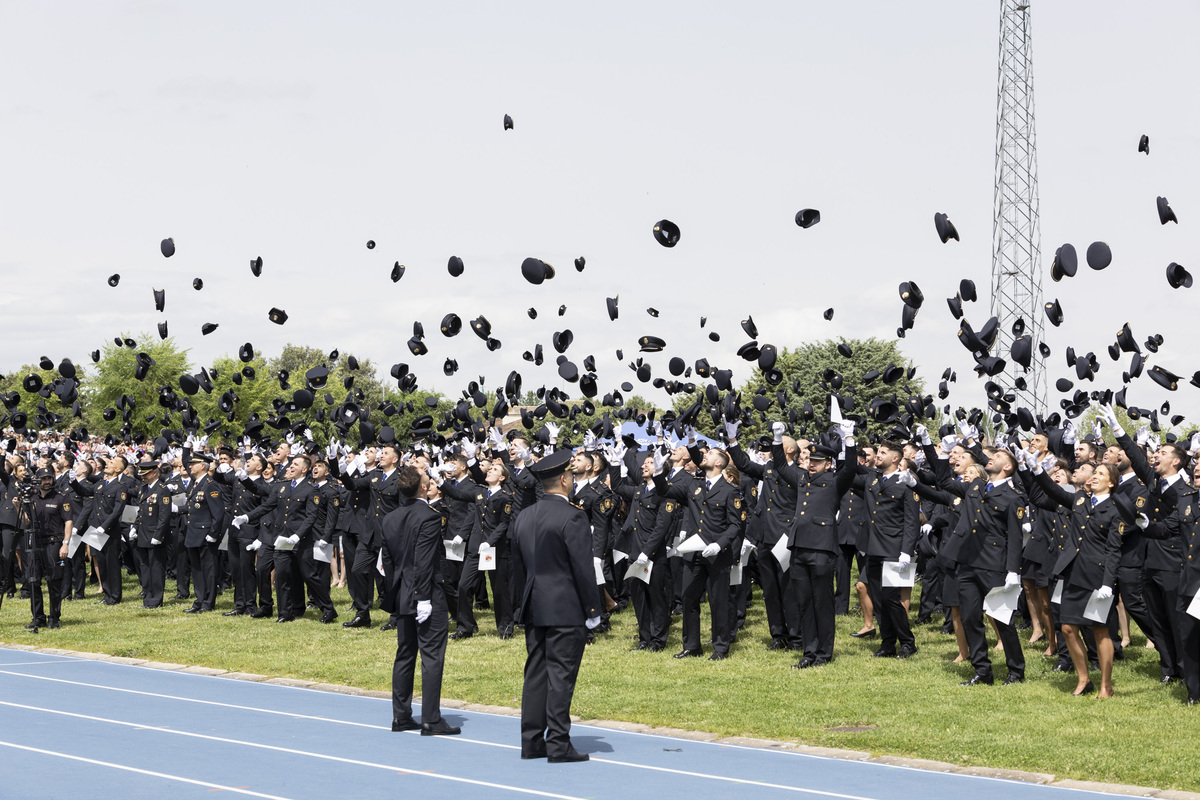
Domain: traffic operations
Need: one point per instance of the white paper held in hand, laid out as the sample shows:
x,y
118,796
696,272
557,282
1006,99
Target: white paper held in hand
x,y
1097,608
1193,608
1000,603
93,538
323,554
782,554
282,543
599,565
1058,590
640,571
455,552
895,574
693,544
487,557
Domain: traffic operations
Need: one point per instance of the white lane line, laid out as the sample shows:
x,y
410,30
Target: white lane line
x,y
152,773
36,663
292,751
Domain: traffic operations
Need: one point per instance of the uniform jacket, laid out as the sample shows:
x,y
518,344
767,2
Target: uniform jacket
x,y
296,508
552,565
412,536
205,513
892,511
818,500
715,514
1092,546
154,514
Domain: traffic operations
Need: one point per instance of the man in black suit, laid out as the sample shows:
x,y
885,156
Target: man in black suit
x,y
149,534
109,495
552,566
205,513
412,538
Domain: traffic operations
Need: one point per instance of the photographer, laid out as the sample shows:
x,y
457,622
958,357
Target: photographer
x,y
49,534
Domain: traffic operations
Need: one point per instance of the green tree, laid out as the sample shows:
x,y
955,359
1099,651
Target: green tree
x,y
114,378
252,396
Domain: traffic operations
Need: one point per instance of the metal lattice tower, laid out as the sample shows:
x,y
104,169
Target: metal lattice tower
x,y
1016,232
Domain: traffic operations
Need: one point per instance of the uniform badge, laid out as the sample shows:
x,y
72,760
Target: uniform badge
x,y
1188,511
916,497
337,501
957,500
507,508
1079,502
1141,501
166,501
737,502
316,500
606,505
1121,528
698,490
214,495
1020,512
671,507
67,508
374,480
478,497
743,516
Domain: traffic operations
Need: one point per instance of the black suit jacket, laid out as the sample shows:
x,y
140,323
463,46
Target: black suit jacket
x,y
1092,544
1182,524
892,510
552,564
715,514
412,536
818,501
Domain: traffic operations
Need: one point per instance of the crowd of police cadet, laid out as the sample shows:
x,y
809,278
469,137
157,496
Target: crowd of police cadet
x,y
1056,512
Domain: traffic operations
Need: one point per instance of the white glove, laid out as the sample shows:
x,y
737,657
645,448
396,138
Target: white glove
x,y
1194,444
242,475
1142,521
1022,459
777,430
1153,442
293,539
240,520
210,540
643,559
424,610
1097,431
552,430
948,443
904,559
1104,592
655,429
1142,436
710,550
254,545
618,451
747,546
524,455
926,529
593,623
1026,527
291,437
731,429
224,468
589,441
203,440
360,462
660,460
457,540
322,543
693,436
308,434
907,478
1012,579
155,542
495,439
922,434
1045,464
343,465
846,428
99,529
331,451
132,534
469,449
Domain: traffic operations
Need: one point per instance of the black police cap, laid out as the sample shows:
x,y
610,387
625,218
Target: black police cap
x,y
455,266
666,233
807,217
945,228
1165,214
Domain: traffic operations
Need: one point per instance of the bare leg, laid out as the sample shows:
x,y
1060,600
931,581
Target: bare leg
x,y
1123,622
905,597
1035,610
1079,655
864,600
1104,652
960,635
999,643
1047,622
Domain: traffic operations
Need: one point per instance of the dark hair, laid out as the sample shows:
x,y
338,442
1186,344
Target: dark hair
x,y
394,448
307,462
893,445
408,480
1114,477
1179,452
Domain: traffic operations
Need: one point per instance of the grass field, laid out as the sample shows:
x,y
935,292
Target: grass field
x,y
1144,735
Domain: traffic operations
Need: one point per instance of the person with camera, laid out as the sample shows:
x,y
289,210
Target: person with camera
x,y
49,533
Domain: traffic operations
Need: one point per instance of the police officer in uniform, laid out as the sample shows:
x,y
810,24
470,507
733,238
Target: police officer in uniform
x,y
47,547
205,513
109,496
149,533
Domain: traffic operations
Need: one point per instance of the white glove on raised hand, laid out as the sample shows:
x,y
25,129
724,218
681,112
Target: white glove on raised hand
x,y
225,468
496,439
777,431
643,559
242,475
424,610
132,534
524,455
254,545
308,434
907,478
331,450
1153,441
922,435
731,429
589,441
1045,464
1012,579
593,623
1194,444
552,430
469,449
693,436
904,559
948,443
711,550
240,520
926,529
1104,592
291,437
1142,436
618,451
655,429
846,428
1097,431
660,460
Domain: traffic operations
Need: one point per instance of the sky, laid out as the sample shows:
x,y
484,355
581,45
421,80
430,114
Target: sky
x,y
299,131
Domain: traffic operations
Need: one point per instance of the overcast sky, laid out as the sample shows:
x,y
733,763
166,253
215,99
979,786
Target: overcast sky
x,y
298,131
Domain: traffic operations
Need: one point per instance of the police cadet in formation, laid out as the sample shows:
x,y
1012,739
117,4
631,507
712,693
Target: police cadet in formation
x,y
109,496
771,521
294,500
149,533
243,541
317,572
358,541
462,518
813,538
595,500
46,549
204,515
553,568
381,483
179,484
644,536
714,511
893,532
412,537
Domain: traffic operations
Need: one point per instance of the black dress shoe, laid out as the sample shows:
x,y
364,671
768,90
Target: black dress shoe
x,y
571,757
192,610
638,646
1061,667
234,613
462,634
259,613
977,679
439,728
871,634
406,725
1088,689
533,754
328,617
654,648
923,620
390,625
689,654
54,624
906,651
881,653
718,656
805,663
359,621
182,596
33,625
287,618
1013,677
777,644
1193,701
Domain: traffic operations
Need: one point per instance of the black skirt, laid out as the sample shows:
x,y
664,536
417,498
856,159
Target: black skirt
x,y
1074,601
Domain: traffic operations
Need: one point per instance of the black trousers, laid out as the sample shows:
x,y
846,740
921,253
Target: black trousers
x,y
1161,593
553,655
264,565
242,569
451,573
152,572
110,566
203,563
289,590
841,594
1130,581
812,576
49,569
429,639
362,578
973,586
469,582
890,616
183,564
700,575
779,600
318,577
8,547
651,605
74,574
1189,650
931,590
